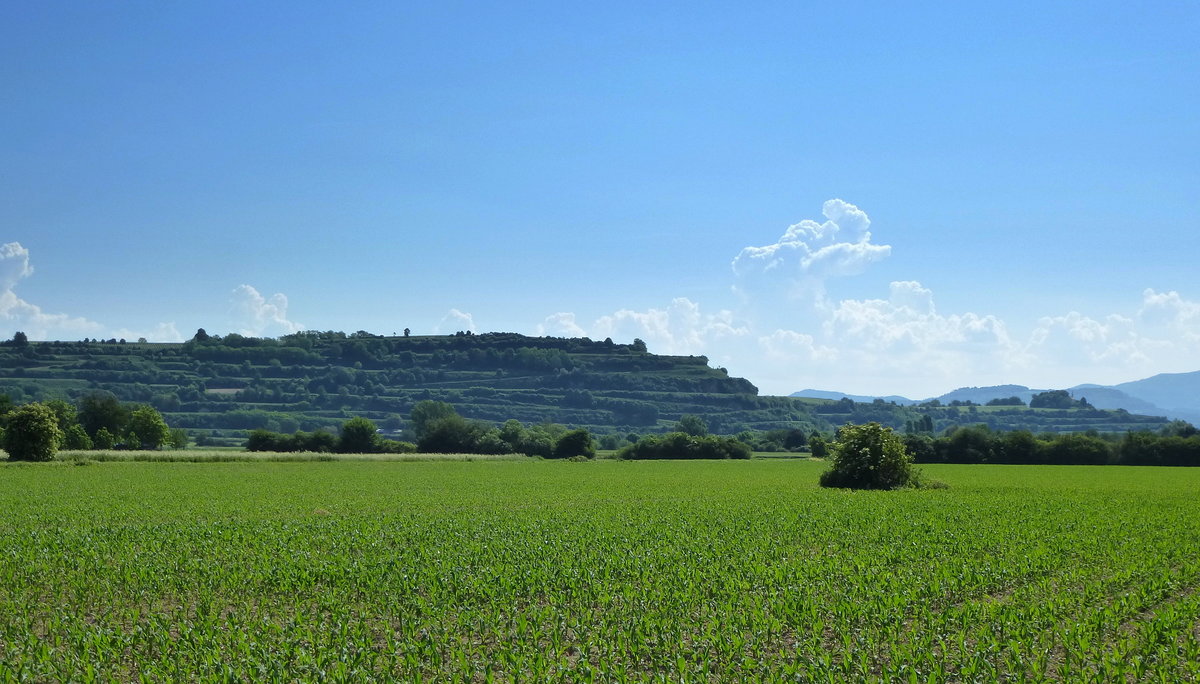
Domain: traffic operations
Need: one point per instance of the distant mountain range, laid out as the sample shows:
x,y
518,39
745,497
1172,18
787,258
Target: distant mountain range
x,y
1173,395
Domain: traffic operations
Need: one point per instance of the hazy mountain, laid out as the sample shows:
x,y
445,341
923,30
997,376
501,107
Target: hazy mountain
x,y
1111,398
1174,395
1175,391
982,395
825,394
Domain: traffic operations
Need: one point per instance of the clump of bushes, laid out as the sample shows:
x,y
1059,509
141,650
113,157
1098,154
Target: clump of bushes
x,y
869,457
358,435
680,445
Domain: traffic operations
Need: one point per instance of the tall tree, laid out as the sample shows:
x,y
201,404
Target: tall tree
x,y
102,410
148,428
427,412
359,436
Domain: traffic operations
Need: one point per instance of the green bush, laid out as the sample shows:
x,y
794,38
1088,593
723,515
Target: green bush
x,y
32,433
575,443
868,457
359,436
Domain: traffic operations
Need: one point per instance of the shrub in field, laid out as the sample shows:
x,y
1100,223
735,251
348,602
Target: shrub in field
x,y
575,443
359,436
32,433
680,445
868,457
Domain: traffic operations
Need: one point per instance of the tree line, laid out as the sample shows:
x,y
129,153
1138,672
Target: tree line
x,y
1176,444
37,430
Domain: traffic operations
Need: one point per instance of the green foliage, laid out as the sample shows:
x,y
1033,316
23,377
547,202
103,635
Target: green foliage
x,y
868,457
31,433
1009,401
692,425
680,445
178,438
359,436
319,442
978,444
426,413
76,439
102,410
818,446
1056,399
64,413
575,443
104,439
457,435
147,427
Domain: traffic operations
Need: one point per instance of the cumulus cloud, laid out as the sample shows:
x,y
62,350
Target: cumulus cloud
x,y
561,324
791,346
18,314
14,264
871,345
163,332
681,328
1171,313
1073,337
455,321
1163,335
908,319
809,252
258,315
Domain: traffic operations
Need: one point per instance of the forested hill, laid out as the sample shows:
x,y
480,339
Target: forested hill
x,y
222,386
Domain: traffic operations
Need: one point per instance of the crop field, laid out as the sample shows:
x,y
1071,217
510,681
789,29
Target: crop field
x,y
602,571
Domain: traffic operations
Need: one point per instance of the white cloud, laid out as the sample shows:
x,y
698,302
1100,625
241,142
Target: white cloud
x,y
1163,335
18,314
792,346
455,321
809,252
1172,314
14,265
1074,337
163,332
680,328
257,315
909,320
561,324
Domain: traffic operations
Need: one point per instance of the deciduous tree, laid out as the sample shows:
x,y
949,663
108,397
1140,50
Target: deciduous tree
x,y
32,433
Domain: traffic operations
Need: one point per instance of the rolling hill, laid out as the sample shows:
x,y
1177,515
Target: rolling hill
x,y
220,387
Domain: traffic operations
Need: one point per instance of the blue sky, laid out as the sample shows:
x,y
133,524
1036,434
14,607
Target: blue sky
x,y
999,192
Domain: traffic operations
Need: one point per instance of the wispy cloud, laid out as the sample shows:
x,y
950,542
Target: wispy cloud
x,y
455,321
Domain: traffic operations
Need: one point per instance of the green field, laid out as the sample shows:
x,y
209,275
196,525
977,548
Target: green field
x,y
605,571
